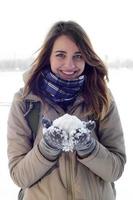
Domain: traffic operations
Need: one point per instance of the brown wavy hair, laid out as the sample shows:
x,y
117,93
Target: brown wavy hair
x,y
95,91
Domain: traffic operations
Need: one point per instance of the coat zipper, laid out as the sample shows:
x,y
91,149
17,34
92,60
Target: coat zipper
x,y
69,178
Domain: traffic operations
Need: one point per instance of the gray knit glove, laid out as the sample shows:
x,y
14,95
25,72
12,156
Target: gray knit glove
x,y
51,144
84,144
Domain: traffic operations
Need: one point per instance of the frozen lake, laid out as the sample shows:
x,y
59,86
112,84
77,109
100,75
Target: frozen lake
x,y
121,82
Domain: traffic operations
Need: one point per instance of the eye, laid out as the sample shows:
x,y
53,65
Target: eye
x,y
60,55
78,57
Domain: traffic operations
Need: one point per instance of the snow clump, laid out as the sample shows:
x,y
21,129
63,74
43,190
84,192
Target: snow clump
x,y
69,123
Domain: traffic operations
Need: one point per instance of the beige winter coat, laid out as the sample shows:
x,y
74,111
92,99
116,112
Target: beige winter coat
x,y
68,178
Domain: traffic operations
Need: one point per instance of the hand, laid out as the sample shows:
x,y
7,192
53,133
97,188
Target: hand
x,y
81,137
53,140
51,144
84,144
55,137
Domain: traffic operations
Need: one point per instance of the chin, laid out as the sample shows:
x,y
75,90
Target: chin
x,y
68,78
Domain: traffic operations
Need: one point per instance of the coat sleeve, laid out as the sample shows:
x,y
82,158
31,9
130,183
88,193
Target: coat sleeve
x,y
108,159
26,164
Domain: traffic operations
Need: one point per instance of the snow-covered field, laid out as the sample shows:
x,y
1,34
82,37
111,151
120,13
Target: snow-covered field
x,y
121,82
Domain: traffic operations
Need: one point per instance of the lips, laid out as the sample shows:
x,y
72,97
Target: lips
x,y
68,74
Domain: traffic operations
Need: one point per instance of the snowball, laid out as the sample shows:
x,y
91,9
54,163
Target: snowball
x,y
68,123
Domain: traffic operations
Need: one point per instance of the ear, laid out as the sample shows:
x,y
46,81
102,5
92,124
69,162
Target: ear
x,y
46,122
91,125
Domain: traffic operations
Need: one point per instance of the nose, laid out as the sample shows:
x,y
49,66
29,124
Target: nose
x,y
70,65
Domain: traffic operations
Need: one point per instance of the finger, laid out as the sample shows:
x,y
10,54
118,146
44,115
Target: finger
x,y
46,122
91,125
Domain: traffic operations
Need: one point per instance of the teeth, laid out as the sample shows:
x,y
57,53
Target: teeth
x,y
68,73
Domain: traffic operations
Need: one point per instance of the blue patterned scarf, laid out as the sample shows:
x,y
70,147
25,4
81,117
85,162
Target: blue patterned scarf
x,y
62,92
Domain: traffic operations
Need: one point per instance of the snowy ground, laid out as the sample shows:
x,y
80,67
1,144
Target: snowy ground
x,y
121,82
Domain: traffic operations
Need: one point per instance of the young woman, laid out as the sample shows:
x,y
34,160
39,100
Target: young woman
x,y
66,77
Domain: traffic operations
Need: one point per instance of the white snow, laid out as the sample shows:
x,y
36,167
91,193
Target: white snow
x,y
68,123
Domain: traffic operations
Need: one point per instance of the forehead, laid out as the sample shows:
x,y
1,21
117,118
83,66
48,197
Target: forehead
x,y
65,43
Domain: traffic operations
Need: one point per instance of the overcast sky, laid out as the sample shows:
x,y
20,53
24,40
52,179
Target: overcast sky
x,y
24,23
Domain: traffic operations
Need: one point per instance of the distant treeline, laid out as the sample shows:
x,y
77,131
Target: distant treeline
x,y
23,64
121,64
16,64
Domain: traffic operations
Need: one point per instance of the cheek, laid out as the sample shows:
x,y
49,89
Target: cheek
x,y
82,67
53,68
53,65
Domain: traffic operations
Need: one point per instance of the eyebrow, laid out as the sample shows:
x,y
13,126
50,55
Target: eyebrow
x,y
61,51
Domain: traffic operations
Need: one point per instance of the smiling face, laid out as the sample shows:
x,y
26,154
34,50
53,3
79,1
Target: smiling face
x,y
66,60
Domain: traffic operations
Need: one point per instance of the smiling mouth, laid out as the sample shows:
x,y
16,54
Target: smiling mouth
x,y
68,73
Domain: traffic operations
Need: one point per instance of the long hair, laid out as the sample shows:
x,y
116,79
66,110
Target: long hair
x,y
95,91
